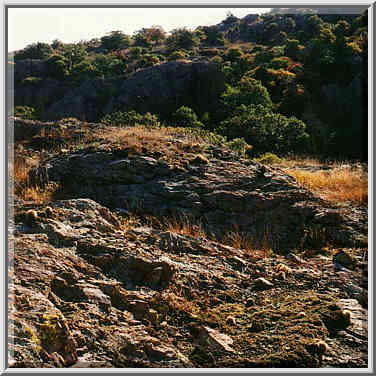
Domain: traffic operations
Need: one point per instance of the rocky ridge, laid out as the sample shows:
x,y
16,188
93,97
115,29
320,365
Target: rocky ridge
x,y
214,188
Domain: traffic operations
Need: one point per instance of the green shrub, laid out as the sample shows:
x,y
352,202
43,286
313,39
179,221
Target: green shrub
x,y
147,60
182,38
34,51
279,63
216,60
233,53
248,92
239,146
57,66
130,118
265,130
178,55
268,158
203,135
186,117
25,112
136,52
115,40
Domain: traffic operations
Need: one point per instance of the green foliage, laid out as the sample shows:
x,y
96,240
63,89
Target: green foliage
x,y
311,66
57,67
279,63
150,36
248,92
233,53
115,40
268,158
57,44
25,112
216,60
136,52
212,36
204,135
74,54
239,146
34,51
178,55
108,65
148,60
186,117
265,130
292,48
182,39
130,118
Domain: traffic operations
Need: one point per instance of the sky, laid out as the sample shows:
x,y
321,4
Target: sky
x,y
31,25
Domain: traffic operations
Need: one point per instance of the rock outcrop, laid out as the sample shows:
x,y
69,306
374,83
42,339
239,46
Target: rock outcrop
x,y
223,194
160,89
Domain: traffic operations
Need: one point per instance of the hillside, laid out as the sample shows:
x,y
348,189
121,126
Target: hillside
x,y
197,199
312,67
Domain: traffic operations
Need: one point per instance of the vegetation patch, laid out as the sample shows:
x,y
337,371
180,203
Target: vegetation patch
x,y
337,185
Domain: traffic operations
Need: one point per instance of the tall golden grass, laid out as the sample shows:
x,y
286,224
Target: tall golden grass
x,y
337,185
22,188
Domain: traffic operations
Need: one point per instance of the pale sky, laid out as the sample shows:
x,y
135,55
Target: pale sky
x,y
31,25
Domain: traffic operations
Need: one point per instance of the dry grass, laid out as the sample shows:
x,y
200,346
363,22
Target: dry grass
x,y
168,140
337,185
298,161
22,188
185,227
238,240
234,238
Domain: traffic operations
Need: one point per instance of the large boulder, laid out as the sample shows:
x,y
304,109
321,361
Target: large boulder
x,y
158,89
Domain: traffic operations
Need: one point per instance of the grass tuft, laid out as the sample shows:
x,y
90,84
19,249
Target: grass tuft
x,y
338,185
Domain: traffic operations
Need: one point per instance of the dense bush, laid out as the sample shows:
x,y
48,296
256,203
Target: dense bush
x,y
34,51
186,117
115,40
182,39
178,55
239,146
248,92
150,36
57,66
268,158
266,130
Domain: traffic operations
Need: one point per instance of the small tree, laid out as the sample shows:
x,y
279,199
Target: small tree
x,y
57,67
34,51
115,40
248,92
265,130
146,37
186,117
182,39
